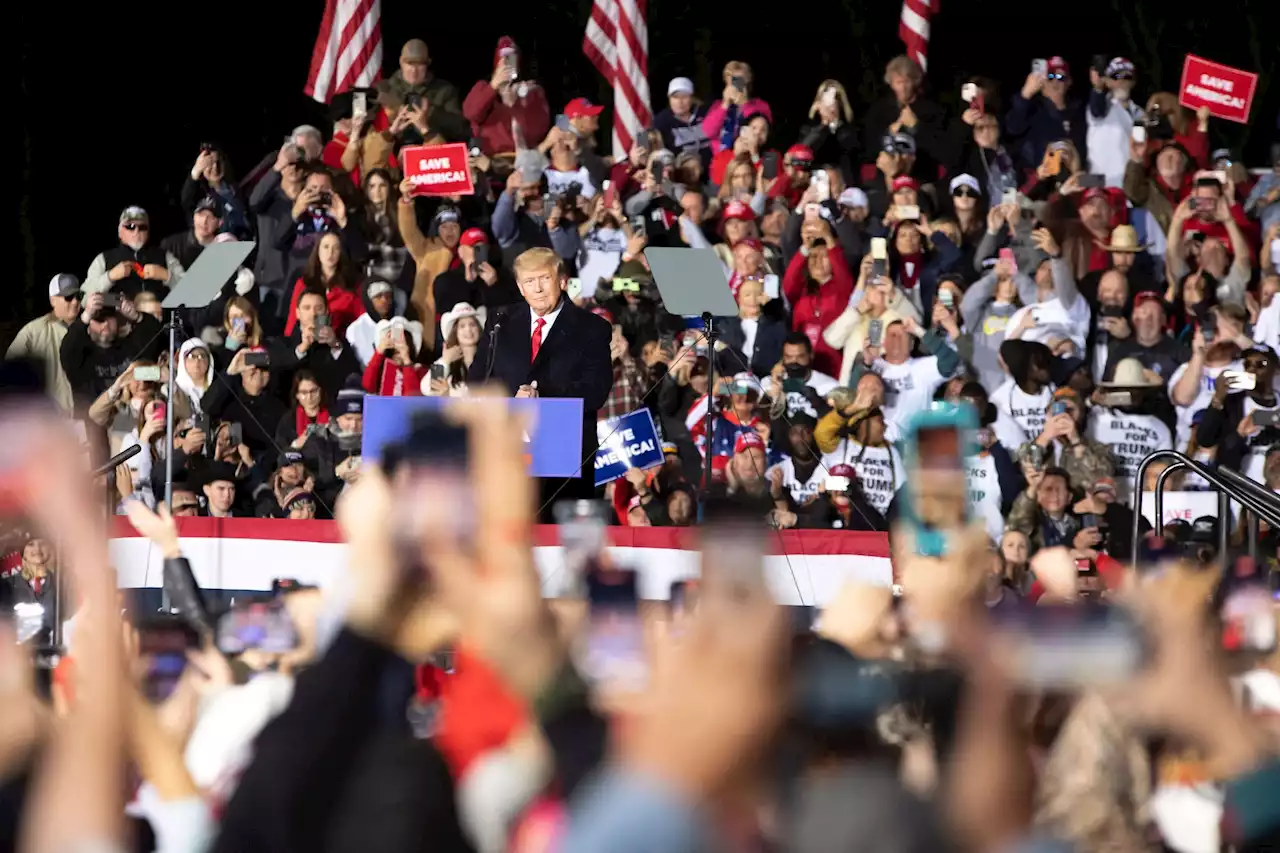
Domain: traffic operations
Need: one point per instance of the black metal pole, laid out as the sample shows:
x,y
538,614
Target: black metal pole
x,y
1158,515
709,423
1224,524
1251,520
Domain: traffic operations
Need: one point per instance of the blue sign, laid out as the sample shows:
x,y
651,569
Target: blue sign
x,y
629,441
553,445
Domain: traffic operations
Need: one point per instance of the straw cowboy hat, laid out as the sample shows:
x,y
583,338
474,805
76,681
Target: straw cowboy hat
x,y
413,327
1124,238
1131,374
462,309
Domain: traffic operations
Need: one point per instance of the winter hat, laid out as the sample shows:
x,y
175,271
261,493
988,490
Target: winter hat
x,y
462,309
350,399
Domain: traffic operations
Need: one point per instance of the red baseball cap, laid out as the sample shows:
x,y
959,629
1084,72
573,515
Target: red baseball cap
x,y
843,469
1148,296
751,242
739,210
579,107
603,312
1095,192
800,152
905,182
473,236
747,439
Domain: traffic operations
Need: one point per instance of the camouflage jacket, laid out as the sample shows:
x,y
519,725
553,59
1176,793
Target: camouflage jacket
x,y
1084,464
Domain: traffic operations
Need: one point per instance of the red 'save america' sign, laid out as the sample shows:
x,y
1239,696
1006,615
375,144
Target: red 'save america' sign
x,y
1226,91
438,169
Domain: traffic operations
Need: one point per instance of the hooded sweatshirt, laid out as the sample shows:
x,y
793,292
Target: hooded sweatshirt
x,y
491,119
988,321
183,379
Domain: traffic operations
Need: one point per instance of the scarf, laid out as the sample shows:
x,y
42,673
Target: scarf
x,y
909,270
301,420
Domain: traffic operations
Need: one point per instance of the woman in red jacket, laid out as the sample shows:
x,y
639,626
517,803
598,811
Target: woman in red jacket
x,y
392,371
818,285
331,270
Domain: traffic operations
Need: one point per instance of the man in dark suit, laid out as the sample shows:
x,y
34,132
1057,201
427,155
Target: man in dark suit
x,y
549,347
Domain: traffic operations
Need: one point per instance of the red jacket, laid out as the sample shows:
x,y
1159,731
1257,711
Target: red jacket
x,y
491,119
344,308
1196,142
385,378
812,312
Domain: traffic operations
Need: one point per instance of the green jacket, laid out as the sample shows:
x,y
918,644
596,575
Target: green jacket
x,y
445,104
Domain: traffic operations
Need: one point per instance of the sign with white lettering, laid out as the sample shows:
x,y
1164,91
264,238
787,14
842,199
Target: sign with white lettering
x,y
438,169
626,442
1226,91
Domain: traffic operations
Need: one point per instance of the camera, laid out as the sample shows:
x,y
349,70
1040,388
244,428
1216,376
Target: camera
x,y
325,198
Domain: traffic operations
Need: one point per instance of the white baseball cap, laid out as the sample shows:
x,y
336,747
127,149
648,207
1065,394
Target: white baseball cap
x,y
680,84
965,180
852,197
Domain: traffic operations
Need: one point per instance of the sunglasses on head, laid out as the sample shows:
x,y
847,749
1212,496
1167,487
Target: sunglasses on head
x,y
964,192
1055,76
136,226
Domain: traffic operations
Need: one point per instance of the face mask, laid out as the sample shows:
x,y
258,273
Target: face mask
x,y
231,343
796,371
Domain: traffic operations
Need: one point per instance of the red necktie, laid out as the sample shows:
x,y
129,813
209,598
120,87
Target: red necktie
x,y
536,343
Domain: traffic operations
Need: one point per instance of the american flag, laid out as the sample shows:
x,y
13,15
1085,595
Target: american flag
x,y
914,28
348,51
617,43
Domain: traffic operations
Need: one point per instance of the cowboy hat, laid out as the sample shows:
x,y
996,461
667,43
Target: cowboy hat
x,y
462,309
413,327
1124,238
1131,374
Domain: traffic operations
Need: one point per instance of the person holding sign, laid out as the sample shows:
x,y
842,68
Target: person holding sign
x,y
549,347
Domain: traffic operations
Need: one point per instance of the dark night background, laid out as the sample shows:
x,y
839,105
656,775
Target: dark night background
x,y
115,98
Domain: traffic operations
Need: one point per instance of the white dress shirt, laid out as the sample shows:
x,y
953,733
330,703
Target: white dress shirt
x,y
549,318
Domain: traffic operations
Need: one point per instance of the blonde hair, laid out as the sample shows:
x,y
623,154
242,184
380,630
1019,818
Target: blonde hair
x,y
250,313
736,68
842,98
538,259
905,66
726,186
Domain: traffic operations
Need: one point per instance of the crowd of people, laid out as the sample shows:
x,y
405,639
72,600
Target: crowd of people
x,y
1080,269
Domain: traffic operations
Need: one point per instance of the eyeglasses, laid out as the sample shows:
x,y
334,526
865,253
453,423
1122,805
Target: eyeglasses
x,y
964,192
198,353
137,226
308,392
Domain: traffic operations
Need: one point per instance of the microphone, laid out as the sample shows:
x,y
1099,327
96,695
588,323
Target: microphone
x,y
499,314
123,455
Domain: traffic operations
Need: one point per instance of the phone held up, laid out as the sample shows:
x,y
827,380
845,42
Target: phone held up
x,y
163,642
937,441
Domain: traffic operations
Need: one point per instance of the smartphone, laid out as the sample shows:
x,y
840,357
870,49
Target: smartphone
x,y
439,370
1070,647
1090,519
829,96
321,321
1009,197
235,434
481,253
822,182
1248,619
257,359
324,199
937,442
968,92
610,194
359,103
1240,380
879,248
563,123
258,624
907,211
979,103
147,373
612,654
1092,181
475,147
1265,418
239,325
738,82
946,298
1117,398
658,168
163,642
1139,133
110,300
769,168
1058,408
1006,254
836,484
1040,66
812,211
875,331
879,269
160,411
430,467
639,224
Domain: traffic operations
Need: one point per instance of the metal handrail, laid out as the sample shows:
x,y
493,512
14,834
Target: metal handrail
x,y
1247,492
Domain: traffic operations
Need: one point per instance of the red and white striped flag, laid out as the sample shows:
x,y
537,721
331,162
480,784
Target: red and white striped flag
x,y
617,43
914,28
348,51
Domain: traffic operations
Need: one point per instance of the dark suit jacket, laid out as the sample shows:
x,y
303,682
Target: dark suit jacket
x,y
573,361
766,352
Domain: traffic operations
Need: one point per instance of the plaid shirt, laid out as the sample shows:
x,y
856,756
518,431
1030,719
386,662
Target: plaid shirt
x,y
629,387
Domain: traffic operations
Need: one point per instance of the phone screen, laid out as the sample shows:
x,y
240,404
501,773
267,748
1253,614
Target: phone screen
x,y
874,332
162,646
1070,647
439,370
613,652
879,248
262,625
146,374
770,168
359,103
